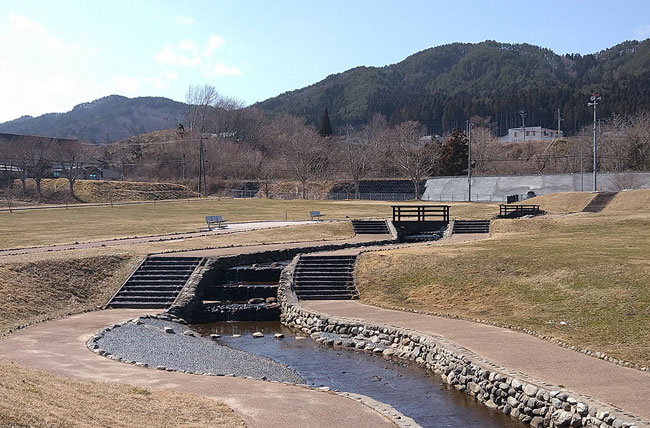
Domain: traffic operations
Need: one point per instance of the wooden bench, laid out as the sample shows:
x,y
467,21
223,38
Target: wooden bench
x,y
315,214
214,219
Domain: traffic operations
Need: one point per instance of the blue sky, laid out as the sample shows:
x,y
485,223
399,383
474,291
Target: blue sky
x,y
56,54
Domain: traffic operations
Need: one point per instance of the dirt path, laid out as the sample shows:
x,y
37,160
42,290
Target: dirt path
x,y
608,383
60,347
229,228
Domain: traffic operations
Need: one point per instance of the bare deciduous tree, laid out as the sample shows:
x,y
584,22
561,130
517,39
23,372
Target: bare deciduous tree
x,y
302,149
38,152
414,157
359,153
72,156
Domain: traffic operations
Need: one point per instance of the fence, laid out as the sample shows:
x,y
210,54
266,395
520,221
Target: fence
x,y
440,197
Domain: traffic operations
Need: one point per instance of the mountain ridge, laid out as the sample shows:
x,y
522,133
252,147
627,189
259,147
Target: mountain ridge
x,y
444,85
441,87
105,119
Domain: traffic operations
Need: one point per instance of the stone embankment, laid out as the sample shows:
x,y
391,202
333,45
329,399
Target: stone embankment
x,y
527,401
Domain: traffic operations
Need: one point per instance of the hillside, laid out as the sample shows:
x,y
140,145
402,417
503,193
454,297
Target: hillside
x,y
445,85
106,119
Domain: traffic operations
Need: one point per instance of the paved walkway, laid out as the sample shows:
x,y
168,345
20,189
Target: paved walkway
x,y
608,383
229,251
60,347
228,228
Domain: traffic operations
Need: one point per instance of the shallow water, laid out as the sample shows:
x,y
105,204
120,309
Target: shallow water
x,y
408,388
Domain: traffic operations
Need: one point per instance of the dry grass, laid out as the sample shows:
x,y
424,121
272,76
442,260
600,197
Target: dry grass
x,y
591,271
55,226
39,399
56,191
40,289
630,200
565,202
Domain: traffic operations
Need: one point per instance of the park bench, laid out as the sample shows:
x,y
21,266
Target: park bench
x,y
315,215
214,219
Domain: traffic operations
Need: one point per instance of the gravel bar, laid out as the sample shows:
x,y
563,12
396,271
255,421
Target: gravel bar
x,y
147,342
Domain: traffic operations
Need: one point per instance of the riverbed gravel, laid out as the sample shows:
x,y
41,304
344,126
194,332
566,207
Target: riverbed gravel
x,y
151,342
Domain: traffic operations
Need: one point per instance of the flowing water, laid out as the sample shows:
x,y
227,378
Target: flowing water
x,y
409,389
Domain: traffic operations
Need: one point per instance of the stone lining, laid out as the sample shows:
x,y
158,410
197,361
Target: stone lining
x,y
527,400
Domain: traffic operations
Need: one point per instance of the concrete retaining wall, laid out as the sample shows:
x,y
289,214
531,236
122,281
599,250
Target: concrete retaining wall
x,y
497,188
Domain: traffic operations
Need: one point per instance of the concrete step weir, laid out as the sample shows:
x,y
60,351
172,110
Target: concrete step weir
x,y
471,226
325,278
156,283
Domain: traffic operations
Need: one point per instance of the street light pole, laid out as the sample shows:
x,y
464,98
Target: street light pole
x,y
594,102
523,123
469,161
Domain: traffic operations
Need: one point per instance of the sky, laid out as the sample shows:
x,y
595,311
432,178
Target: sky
x,y
57,54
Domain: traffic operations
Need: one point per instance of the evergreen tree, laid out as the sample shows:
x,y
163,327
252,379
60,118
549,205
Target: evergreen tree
x,y
325,126
453,154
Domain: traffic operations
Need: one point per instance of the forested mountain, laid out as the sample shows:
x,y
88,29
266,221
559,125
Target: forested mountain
x,y
443,86
103,120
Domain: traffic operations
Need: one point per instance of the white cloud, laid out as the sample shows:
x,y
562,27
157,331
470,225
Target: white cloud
x,y
25,24
128,85
188,45
169,75
58,44
643,32
220,70
168,56
214,43
185,20
162,80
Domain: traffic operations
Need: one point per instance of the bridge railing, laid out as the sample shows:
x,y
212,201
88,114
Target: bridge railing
x,y
420,213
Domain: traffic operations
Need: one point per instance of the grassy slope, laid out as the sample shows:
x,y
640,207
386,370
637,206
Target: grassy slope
x,y
51,226
45,288
39,399
566,202
590,271
56,191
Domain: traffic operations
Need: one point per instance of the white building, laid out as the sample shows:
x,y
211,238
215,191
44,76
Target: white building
x,y
530,133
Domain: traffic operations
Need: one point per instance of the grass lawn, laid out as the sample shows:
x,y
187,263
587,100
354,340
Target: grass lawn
x,y
591,271
33,398
52,226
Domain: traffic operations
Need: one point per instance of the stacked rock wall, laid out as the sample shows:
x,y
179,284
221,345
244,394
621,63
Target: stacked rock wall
x,y
529,402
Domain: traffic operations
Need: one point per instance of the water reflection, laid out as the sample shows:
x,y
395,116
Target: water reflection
x,y
409,389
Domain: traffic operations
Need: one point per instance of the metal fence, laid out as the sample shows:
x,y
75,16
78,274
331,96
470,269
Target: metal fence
x,y
439,197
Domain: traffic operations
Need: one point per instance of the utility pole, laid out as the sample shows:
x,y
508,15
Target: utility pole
x,y
594,102
182,165
559,119
205,180
201,166
582,173
523,123
469,161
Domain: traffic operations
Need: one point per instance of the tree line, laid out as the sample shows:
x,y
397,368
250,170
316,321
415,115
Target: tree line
x,y
220,144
